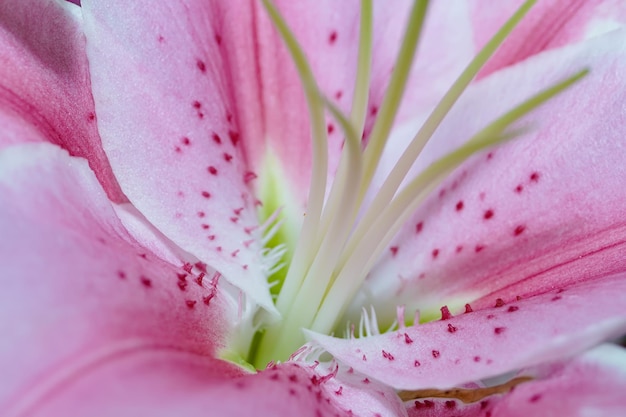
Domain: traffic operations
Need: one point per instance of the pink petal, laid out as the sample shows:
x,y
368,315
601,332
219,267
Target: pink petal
x,y
170,126
491,341
170,383
549,24
76,291
592,384
45,90
542,212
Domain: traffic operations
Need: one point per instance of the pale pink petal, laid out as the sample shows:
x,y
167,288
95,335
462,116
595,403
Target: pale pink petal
x,y
77,290
542,212
45,90
590,385
549,24
358,394
164,383
164,97
492,341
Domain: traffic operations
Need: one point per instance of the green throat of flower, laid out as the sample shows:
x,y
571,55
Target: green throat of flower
x,y
339,240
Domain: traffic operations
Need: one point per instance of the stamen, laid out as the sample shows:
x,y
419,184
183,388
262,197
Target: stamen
x,y
394,93
317,187
364,68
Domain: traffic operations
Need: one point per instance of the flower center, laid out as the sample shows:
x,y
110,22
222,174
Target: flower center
x,y
329,251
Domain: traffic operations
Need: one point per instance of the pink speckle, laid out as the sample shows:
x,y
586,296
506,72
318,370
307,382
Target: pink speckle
x,y
491,316
338,94
534,177
91,116
479,248
451,328
407,339
182,285
212,170
436,354
476,358
206,194
468,308
145,281
249,176
519,230
196,104
416,363
387,355
435,253
511,309
499,302
535,398
458,249
201,65
201,214
488,214
445,313
419,227
459,206
499,330
190,303
218,38
211,237
332,38
556,298
450,404
234,137
330,128
185,141
216,138
394,251
519,188
207,299
228,157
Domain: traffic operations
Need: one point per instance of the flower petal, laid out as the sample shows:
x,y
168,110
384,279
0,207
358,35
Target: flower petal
x,y
76,289
491,341
164,97
541,212
169,383
550,24
592,384
45,89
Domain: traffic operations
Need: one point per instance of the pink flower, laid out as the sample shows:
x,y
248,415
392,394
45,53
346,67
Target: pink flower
x,y
146,146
